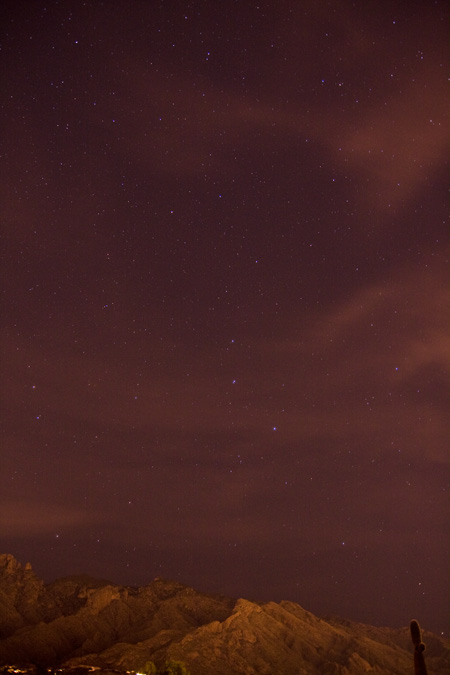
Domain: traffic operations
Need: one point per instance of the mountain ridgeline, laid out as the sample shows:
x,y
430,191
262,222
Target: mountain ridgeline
x,y
83,622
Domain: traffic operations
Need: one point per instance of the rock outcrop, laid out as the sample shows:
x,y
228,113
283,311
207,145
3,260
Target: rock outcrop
x,y
21,593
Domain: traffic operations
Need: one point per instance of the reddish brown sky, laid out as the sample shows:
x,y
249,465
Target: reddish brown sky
x,y
225,325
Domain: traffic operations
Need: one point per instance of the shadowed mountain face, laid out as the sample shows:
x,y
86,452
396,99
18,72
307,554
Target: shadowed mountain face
x,y
82,621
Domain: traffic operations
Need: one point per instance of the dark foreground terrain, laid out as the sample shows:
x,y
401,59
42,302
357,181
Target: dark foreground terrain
x,y
79,624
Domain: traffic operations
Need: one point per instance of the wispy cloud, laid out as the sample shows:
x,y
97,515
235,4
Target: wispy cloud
x,y
23,519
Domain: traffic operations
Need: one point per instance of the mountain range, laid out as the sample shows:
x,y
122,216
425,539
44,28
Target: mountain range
x,y
79,622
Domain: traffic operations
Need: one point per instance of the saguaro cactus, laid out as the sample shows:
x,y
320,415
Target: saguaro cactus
x,y
419,648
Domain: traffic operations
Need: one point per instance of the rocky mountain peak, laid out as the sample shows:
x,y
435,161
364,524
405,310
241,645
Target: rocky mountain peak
x,y
9,565
21,590
99,598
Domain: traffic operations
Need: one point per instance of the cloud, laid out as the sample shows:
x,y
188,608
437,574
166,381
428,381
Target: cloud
x,y
400,142
368,371
390,139
19,519
401,321
372,370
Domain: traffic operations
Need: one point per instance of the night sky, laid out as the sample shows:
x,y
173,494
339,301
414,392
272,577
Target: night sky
x,y
225,319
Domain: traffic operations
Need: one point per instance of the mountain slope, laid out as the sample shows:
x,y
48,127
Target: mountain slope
x,y
82,621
